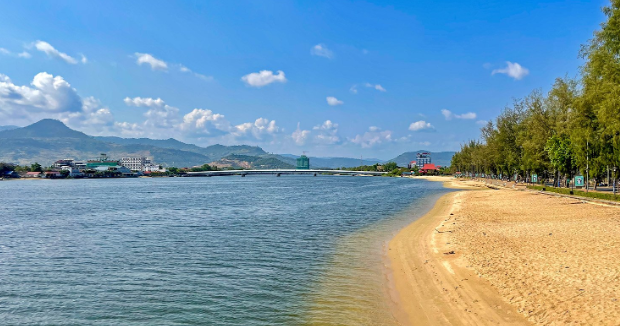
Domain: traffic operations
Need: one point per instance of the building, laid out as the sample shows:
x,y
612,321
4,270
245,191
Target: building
x,y
303,163
423,158
73,171
102,161
411,164
429,168
61,163
135,163
33,174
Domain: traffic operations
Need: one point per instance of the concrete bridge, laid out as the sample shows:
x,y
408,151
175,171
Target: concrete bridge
x,y
279,172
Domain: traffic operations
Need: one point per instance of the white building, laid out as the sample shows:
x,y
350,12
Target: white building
x,y
73,171
136,163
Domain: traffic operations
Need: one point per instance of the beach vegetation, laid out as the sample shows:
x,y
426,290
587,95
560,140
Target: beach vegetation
x,y
573,129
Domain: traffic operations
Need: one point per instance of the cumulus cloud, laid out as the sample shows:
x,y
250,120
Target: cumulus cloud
x,y
300,136
327,133
83,60
53,53
333,101
24,55
465,116
49,96
374,136
258,129
263,78
156,64
481,122
513,70
206,122
5,51
322,51
420,125
376,86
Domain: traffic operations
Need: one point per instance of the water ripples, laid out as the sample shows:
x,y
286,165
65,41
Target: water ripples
x,y
198,251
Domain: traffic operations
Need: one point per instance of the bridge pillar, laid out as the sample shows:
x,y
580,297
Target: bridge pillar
x,y
315,174
277,175
243,175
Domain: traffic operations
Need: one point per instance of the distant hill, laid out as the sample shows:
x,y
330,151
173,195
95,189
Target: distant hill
x,y
251,162
438,158
8,127
49,140
330,162
46,128
213,152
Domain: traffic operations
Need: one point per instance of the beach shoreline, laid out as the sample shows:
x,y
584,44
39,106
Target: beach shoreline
x,y
507,257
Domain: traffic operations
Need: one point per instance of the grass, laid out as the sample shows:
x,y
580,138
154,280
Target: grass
x,y
576,192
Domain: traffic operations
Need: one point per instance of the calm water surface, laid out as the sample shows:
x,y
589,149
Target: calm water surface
x,y
292,250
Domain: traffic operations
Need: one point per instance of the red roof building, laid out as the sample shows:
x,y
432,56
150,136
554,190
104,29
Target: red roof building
x,y
430,167
412,164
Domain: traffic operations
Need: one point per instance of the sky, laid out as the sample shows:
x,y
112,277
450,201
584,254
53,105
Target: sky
x,y
329,78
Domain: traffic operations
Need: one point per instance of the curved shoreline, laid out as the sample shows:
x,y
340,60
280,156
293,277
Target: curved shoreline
x,y
435,287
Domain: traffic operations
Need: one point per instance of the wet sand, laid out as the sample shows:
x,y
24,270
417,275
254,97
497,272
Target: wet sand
x,y
509,257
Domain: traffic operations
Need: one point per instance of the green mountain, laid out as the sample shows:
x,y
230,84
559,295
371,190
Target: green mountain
x,y
438,158
329,162
49,140
252,162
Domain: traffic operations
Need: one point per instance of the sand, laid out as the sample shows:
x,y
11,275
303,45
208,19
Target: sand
x,y
519,258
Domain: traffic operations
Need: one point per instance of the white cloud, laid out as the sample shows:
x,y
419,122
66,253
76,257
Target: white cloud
x,y
159,115
263,78
184,69
327,133
481,122
83,60
465,116
156,64
374,136
257,129
49,96
322,51
52,52
24,54
377,87
513,70
300,136
201,121
420,125
333,101
353,89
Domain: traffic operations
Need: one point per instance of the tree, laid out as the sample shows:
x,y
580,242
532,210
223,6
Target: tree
x,y
36,167
390,166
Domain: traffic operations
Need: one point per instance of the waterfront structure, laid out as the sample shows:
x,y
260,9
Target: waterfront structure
x,y
102,161
135,163
429,168
61,163
303,163
411,164
423,158
73,171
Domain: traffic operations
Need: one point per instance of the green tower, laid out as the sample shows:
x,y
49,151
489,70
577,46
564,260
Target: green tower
x,y
303,163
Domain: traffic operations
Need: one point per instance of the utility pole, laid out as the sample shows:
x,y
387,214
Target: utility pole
x,y
587,165
614,180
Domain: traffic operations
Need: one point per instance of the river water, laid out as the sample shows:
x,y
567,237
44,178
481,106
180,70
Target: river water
x,y
262,250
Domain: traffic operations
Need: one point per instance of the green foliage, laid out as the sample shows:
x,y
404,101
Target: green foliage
x,y
390,166
202,168
580,193
575,126
560,152
36,167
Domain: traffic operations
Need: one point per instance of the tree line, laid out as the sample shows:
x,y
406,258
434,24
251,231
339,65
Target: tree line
x,y
572,129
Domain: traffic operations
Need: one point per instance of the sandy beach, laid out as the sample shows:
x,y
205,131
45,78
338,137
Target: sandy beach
x,y
508,257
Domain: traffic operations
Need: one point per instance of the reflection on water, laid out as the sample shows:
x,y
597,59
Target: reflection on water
x,y
199,251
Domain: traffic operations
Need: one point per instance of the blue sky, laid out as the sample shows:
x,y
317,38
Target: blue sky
x,y
339,78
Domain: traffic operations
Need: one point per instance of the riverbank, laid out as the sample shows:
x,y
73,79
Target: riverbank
x,y
509,257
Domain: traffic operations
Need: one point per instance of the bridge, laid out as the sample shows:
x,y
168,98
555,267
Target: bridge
x,y
279,172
